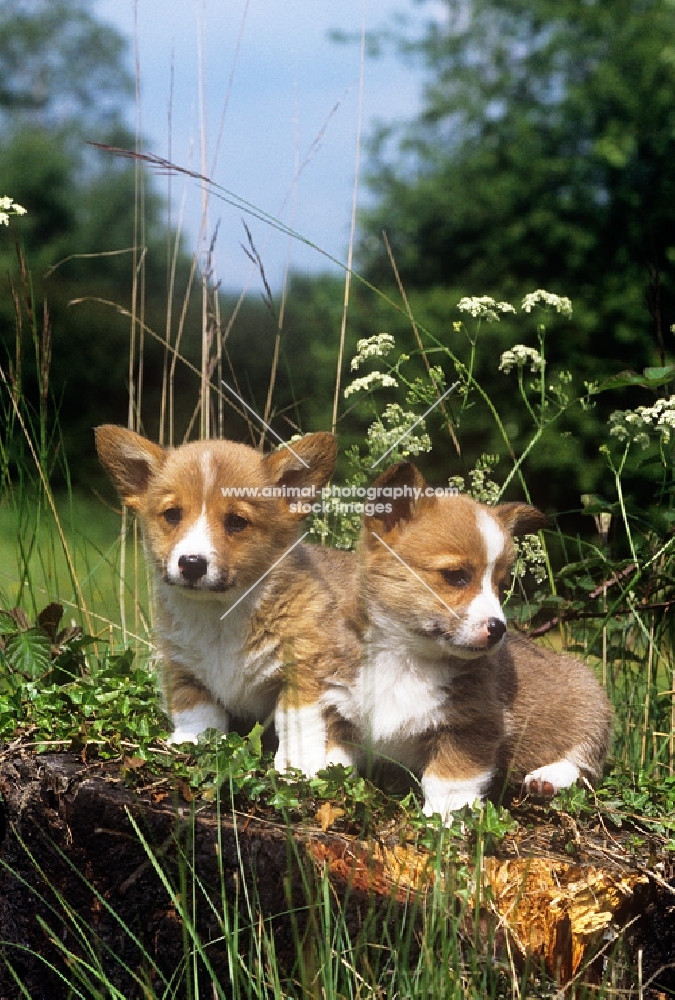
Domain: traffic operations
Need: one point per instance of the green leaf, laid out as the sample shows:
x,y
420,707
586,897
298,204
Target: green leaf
x,y
49,619
657,376
651,379
119,664
623,380
7,623
255,739
28,652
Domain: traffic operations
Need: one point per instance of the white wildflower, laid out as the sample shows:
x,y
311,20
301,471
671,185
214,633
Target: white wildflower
x,y
398,434
548,300
374,380
519,356
9,207
378,346
483,487
637,425
530,557
484,307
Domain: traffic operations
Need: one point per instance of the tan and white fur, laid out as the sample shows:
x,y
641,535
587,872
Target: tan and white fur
x,y
243,625
441,686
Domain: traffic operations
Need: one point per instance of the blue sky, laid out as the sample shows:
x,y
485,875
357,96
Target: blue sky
x,y
289,101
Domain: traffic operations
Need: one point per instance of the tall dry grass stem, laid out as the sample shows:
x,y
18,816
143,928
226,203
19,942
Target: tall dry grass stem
x,y
418,340
352,228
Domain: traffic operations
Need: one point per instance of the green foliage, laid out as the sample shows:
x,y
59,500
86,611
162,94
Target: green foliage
x,y
82,234
56,696
57,690
543,156
637,801
76,208
545,134
27,653
57,62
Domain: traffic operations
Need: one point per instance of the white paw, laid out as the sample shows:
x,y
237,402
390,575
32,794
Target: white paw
x,y
179,736
341,755
188,725
551,778
307,762
444,795
302,739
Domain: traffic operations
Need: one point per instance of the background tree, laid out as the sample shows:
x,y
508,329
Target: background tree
x,y
544,156
64,81
59,65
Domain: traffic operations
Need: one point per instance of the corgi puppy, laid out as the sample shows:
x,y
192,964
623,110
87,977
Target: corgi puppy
x,y
244,616
441,686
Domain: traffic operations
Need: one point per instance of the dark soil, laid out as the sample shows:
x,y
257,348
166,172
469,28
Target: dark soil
x,y
67,834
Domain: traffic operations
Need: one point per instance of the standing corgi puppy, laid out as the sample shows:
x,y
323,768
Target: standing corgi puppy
x,y
442,687
244,616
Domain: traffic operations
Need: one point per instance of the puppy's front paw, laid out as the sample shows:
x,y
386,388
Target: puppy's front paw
x,y
179,736
302,739
341,755
308,763
188,725
546,781
444,795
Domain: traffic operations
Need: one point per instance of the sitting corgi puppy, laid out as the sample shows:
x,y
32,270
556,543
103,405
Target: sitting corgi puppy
x,y
442,687
244,616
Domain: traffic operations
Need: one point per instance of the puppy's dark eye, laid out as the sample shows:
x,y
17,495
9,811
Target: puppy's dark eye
x,y
172,515
234,523
459,578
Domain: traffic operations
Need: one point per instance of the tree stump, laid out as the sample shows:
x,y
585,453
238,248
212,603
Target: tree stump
x,y
72,856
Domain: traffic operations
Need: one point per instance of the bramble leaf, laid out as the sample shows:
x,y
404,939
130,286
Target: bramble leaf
x,y
28,652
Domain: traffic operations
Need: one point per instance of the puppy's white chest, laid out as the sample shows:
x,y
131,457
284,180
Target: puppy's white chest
x,y
216,648
397,697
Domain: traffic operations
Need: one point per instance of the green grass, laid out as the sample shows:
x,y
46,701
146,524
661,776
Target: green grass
x,y
35,569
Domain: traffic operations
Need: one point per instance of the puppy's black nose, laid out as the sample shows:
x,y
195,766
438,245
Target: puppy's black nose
x,y
496,629
192,568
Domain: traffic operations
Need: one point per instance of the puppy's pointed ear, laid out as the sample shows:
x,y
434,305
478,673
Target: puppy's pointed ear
x,y
520,518
303,464
129,459
399,490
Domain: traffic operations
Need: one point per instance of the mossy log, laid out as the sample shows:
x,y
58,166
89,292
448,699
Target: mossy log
x,y
74,867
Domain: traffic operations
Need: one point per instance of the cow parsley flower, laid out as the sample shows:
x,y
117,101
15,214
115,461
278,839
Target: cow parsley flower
x,y
641,424
395,431
548,300
9,207
531,557
378,346
373,380
518,356
484,307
